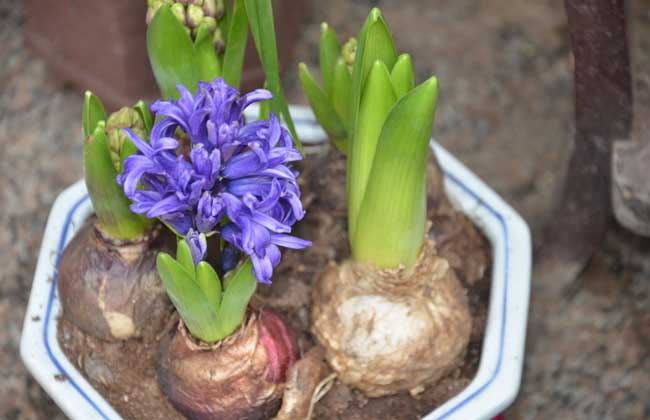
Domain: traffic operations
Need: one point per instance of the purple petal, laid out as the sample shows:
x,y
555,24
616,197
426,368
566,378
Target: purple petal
x,y
169,204
198,245
288,241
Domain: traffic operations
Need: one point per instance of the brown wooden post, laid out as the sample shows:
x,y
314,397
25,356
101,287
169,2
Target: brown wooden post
x,y
603,113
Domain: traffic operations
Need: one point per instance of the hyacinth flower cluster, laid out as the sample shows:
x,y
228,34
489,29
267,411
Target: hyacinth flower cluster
x,y
204,171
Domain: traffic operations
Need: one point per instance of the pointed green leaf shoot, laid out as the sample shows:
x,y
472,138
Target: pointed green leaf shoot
x,y
237,36
403,75
184,257
375,43
322,107
392,217
92,112
171,54
239,289
377,100
209,282
109,202
206,56
330,49
260,18
197,312
210,312
341,99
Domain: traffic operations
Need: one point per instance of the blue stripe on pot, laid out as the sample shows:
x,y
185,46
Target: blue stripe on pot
x,y
444,415
50,301
502,332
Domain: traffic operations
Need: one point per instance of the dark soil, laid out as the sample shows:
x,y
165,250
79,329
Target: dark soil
x,y
124,372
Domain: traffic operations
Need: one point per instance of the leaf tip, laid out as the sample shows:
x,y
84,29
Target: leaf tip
x,y
431,84
161,259
375,14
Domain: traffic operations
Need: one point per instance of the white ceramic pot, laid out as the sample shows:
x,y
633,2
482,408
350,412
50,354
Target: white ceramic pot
x,y
498,378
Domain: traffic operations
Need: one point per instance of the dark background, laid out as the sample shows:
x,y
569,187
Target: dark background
x,y
506,110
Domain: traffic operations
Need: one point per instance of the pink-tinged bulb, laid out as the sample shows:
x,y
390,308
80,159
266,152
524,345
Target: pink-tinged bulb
x,y
280,345
241,376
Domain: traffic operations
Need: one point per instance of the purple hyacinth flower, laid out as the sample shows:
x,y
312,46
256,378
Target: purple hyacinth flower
x,y
205,170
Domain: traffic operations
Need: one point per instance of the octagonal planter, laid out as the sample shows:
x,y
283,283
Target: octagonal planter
x,y
494,387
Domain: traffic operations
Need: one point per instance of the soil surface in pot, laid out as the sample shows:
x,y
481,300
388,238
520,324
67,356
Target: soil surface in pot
x,y
124,372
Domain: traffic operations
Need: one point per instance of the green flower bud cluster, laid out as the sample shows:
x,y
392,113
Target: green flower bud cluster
x,y
193,14
349,51
119,144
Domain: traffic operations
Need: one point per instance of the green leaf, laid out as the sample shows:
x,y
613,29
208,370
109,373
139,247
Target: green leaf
x,y
184,257
209,64
209,282
377,100
128,149
341,89
392,218
233,60
92,112
171,54
260,18
403,75
224,22
198,314
375,43
240,287
145,114
322,107
330,49
109,202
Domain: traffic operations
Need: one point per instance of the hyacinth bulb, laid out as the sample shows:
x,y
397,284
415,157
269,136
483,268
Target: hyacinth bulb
x,y
392,330
240,377
110,288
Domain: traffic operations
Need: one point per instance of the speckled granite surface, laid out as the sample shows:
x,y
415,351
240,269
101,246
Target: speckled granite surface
x,y
505,110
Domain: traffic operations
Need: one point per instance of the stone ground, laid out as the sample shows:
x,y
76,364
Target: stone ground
x,y
505,110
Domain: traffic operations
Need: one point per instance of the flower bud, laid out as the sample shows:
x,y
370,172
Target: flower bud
x,y
179,11
152,8
349,52
118,142
210,23
213,8
194,15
